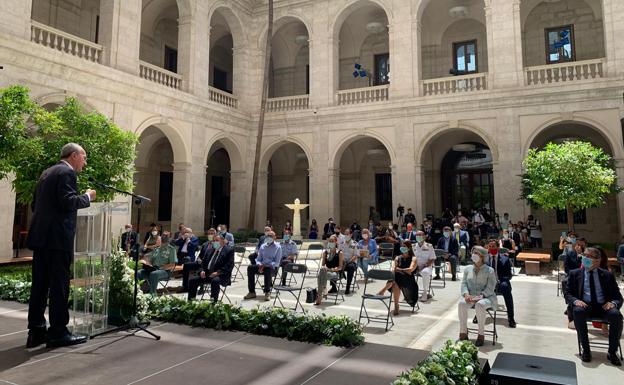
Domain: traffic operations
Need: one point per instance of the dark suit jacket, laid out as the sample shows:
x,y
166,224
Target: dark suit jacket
x,y
55,205
191,248
453,248
224,264
571,261
503,268
206,248
464,238
610,289
133,239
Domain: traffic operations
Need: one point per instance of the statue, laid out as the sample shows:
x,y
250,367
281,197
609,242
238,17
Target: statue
x,y
296,223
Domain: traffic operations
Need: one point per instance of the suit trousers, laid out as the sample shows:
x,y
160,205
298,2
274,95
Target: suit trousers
x,y
50,272
186,271
613,316
215,288
252,270
504,288
452,259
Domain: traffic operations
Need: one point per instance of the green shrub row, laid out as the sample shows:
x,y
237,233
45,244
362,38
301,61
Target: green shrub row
x,y
457,363
275,322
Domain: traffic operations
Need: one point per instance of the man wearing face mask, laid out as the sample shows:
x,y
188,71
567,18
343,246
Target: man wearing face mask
x,y
369,244
187,245
229,238
252,257
216,269
204,252
593,292
289,254
451,246
501,264
409,217
269,257
462,239
128,239
329,228
348,249
158,265
425,257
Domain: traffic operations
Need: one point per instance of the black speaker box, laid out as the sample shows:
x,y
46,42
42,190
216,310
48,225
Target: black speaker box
x,y
522,369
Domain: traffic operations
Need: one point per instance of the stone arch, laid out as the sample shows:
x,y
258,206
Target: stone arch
x,y
527,6
441,130
283,20
232,147
235,25
271,148
347,140
425,3
58,97
181,152
343,13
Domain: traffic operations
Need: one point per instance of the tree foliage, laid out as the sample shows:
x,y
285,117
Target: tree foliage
x,y
572,175
34,138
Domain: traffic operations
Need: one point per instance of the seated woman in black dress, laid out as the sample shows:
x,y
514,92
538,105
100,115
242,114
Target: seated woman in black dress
x,y
403,266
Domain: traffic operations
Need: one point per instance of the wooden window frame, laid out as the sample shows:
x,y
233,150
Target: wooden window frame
x,y
466,43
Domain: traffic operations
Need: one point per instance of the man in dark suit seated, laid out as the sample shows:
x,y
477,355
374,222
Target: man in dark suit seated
x,y
593,293
451,246
205,251
216,269
500,262
187,245
128,239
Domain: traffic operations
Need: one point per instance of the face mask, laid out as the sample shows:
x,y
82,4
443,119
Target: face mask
x,y
420,238
510,229
573,240
347,238
587,262
493,251
403,250
216,245
447,234
210,237
286,237
365,236
154,233
128,230
269,241
218,229
475,258
331,245
506,236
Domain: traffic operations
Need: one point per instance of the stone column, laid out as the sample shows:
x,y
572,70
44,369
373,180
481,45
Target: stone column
x,y
15,18
401,52
247,78
120,34
334,209
417,51
261,199
419,207
7,207
181,202
196,205
239,199
193,51
321,61
612,16
504,40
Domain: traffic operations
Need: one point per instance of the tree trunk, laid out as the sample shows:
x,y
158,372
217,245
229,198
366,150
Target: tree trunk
x,y
265,91
570,215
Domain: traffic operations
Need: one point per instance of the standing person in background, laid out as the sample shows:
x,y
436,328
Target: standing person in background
x,y
313,233
51,237
504,222
399,214
128,239
535,231
409,217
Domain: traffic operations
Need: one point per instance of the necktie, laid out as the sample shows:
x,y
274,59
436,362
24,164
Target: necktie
x,y
592,289
457,236
214,259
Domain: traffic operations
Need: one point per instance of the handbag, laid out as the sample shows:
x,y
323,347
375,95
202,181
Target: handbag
x,y
311,294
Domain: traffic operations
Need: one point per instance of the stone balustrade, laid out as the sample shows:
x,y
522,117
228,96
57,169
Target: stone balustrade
x,y
64,42
363,95
564,72
288,103
455,84
222,97
160,75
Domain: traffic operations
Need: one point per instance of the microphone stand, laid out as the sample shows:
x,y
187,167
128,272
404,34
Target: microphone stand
x,y
133,325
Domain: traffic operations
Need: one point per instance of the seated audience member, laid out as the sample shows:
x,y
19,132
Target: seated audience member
x,y
128,239
223,231
158,264
348,247
179,233
425,257
451,246
252,257
204,251
620,257
403,266
153,226
593,292
410,233
216,269
463,239
153,242
289,253
508,243
187,245
267,262
501,264
572,261
367,243
313,232
332,265
477,289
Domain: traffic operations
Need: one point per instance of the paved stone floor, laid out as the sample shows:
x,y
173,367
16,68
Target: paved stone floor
x,y
542,331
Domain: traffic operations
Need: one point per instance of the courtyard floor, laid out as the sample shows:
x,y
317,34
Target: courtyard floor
x,y
200,355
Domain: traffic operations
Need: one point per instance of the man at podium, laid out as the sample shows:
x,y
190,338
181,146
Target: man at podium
x,y
51,237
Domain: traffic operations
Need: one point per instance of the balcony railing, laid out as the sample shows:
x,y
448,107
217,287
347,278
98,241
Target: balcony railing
x,y
160,75
455,84
222,97
363,95
288,103
564,72
64,42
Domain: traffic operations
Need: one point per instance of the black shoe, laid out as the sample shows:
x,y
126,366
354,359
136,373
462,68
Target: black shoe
x,y
66,340
474,320
437,278
36,337
347,292
512,323
453,278
333,289
586,355
614,359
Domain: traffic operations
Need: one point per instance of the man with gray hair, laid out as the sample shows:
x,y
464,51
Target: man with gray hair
x,y
51,237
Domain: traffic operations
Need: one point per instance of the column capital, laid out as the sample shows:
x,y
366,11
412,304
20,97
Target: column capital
x,y
334,172
182,166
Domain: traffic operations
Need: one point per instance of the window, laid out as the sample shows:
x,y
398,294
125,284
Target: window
x,y
580,217
220,79
465,57
171,59
560,44
165,196
382,69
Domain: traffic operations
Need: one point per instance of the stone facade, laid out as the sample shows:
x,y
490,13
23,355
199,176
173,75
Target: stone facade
x,y
339,137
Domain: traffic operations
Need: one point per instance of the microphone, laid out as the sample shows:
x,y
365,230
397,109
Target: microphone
x,y
104,185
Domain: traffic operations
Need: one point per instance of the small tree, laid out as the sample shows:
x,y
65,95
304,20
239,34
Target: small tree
x,y
35,137
572,175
